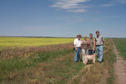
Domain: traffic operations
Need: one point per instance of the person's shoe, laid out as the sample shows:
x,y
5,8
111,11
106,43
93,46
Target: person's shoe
x,y
75,61
99,61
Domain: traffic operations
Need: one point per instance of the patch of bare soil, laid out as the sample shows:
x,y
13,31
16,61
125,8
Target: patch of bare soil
x,y
105,76
120,68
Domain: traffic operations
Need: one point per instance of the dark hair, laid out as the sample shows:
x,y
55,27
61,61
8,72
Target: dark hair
x,y
90,34
78,35
97,31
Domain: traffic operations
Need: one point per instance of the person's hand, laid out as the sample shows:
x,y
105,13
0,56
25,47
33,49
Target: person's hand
x,y
75,49
93,49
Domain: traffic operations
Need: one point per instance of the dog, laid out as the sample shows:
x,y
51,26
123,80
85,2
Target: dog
x,y
91,58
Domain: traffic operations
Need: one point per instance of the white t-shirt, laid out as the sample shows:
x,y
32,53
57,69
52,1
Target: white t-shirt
x,y
77,43
99,40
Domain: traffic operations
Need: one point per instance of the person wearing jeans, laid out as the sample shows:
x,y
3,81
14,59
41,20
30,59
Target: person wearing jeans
x,y
77,46
99,46
99,49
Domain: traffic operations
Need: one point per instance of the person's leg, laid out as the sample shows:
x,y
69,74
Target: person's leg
x,y
83,54
97,51
75,56
100,53
85,60
78,54
91,52
86,52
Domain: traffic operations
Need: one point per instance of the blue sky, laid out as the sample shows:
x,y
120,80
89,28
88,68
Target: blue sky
x,y
64,18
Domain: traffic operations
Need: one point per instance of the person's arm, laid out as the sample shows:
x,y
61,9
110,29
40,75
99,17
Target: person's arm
x,y
75,45
88,44
94,45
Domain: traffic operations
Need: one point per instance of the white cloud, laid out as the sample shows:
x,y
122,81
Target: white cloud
x,y
113,3
70,5
78,10
108,5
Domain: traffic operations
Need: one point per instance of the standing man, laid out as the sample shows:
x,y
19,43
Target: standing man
x,y
99,46
77,46
91,44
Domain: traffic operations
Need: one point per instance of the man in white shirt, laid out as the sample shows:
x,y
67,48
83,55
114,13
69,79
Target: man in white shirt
x,y
99,46
77,46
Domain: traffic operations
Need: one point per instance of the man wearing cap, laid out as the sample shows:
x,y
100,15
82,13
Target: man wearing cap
x,y
99,46
77,46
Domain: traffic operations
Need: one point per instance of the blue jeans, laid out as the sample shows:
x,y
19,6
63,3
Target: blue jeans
x,y
99,50
90,52
77,55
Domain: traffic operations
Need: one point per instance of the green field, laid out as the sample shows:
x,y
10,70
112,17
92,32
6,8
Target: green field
x,y
121,46
28,65
25,41
52,64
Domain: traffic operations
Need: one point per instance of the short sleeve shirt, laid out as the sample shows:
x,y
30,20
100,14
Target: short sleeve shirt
x,y
77,43
99,40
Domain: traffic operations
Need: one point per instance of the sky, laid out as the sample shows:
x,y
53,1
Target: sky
x,y
62,18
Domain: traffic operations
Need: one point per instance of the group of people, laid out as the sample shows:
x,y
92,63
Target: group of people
x,y
89,47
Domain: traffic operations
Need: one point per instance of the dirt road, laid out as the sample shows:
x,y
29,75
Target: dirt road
x,y
120,68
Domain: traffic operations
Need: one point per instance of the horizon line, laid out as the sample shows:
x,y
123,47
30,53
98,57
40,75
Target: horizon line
x,y
51,36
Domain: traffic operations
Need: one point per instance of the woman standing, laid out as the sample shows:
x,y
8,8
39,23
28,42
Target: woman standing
x,y
84,47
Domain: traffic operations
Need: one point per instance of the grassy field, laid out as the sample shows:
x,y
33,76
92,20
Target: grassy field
x,y
121,46
51,64
41,65
25,41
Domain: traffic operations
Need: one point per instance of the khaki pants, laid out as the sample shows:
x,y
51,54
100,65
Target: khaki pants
x,y
84,53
